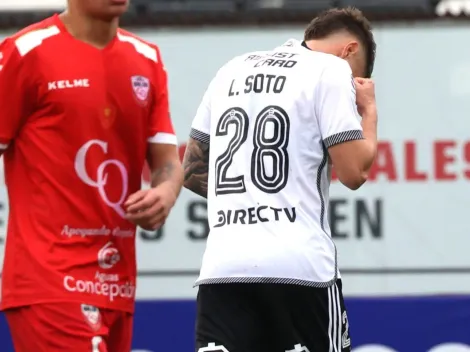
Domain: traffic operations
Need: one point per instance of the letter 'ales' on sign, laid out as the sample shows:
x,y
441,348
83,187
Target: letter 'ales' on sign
x,y
441,160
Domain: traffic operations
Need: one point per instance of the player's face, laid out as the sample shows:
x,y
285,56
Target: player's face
x,y
353,53
104,9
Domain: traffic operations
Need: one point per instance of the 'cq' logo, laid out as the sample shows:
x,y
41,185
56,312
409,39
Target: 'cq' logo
x,y
101,176
108,256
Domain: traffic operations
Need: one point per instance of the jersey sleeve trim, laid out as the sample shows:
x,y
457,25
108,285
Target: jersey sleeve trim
x,y
35,38
163,138
342,137
200,136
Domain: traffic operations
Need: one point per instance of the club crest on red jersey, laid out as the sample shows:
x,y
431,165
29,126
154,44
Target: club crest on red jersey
x,y
141,87
92,316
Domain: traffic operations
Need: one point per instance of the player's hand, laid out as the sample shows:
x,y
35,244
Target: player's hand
x,y
365,95
150,208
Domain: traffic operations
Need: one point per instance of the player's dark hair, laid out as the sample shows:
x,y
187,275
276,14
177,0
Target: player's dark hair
x,y
345,19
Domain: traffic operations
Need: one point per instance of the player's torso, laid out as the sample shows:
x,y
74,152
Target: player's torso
x,y
268,179
76,159
264,141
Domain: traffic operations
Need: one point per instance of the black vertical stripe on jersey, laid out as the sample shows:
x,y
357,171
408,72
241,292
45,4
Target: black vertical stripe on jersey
x,y
321,167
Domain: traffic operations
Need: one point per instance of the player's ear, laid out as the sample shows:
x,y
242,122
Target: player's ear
x,y
350,50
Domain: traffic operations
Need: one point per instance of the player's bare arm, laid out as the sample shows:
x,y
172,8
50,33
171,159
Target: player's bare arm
x,y
196,167
352,160
165,166
150,208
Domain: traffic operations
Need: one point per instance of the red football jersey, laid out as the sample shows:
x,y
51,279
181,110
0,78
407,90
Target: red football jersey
x,y
75,123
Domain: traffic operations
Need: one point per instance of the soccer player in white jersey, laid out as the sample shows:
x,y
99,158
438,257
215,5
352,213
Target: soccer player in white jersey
x,y
269,128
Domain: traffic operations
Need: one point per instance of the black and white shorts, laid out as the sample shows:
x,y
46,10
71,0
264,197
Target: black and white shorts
x,y
241,317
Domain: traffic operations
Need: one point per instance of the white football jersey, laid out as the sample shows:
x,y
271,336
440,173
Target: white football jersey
x,y
269,118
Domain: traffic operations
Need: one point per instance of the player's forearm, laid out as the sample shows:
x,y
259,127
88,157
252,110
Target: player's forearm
x,y
169,173
196,167
369,128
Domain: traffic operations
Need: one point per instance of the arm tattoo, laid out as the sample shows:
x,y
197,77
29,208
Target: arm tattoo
x,y
196,167
163,173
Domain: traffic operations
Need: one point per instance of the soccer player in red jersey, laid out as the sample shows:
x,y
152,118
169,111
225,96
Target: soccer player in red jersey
x,y
83,104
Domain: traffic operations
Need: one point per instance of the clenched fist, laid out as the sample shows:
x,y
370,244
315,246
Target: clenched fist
x,y
150,208
365,95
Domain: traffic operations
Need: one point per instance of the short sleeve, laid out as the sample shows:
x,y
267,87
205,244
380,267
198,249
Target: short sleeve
x,y
15,96
336,106
201,126
161,127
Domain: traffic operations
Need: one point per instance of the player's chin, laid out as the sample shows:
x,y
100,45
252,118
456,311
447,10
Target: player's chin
x,y
116,8
119,3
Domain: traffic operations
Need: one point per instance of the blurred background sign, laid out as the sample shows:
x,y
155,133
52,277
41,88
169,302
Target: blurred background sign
x,y
453,7
403,238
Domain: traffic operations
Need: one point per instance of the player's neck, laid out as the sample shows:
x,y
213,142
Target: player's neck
x,y
96,32
320,46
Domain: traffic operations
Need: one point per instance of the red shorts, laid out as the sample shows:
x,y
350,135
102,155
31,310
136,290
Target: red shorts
x,y
70,327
